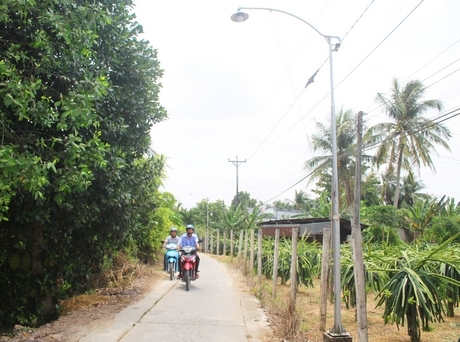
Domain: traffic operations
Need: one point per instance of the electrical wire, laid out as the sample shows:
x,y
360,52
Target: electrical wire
x,y
359,18
309,82
455,112
276,125
367,56
372,51
295,124
453,72
439,55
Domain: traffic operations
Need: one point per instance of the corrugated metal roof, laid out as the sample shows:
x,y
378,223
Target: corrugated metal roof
x,y
312,227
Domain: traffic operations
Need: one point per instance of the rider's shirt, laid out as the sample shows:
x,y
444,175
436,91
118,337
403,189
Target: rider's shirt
x,y
171,239
186,241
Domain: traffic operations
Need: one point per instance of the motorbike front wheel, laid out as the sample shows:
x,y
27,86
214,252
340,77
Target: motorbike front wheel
x,y
172,268
187,280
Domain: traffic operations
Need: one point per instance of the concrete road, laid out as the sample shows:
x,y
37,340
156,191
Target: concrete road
x,y
213,310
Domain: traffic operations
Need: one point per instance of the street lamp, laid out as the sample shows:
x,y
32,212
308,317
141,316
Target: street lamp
x,y
338,329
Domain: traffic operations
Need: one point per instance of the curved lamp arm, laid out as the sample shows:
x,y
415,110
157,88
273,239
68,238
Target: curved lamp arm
x,y
240,16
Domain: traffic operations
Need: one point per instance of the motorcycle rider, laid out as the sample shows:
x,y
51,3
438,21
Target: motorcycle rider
x,y
171,238
189,239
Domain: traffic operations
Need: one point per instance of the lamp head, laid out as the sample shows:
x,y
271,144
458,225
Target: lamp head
x,y
239,17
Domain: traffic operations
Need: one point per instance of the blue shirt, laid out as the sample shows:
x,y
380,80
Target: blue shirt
x,y
186,241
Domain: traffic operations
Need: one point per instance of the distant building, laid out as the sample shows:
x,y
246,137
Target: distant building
x,y
311,228
280,213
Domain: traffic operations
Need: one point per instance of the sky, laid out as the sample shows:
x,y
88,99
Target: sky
x,y
236,91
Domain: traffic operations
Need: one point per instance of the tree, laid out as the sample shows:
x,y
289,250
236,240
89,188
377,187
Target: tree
x,y
409,187
346,145
78,96
408,140
283,205
51,143
253,217
233,217
370,193
186,215
421,214
446,224
382,221
322,206
411,190
244,198
300,199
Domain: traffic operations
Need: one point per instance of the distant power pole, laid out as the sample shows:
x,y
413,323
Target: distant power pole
x,y
237,163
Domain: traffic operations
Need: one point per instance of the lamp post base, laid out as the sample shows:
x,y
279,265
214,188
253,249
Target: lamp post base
x,y
331,337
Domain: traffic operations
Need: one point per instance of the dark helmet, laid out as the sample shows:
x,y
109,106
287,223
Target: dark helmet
x,y
173,229
190,226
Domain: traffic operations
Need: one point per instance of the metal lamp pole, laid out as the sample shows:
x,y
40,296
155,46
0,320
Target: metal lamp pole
x,y
338,329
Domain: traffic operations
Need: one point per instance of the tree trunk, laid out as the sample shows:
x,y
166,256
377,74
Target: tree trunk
x,y
450,310
44,305
401,231
398,177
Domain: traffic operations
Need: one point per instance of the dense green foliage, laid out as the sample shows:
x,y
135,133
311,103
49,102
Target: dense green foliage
x,y
416,283
417,292
78,96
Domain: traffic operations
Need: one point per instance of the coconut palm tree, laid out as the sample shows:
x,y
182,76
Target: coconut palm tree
x,y
410,190
408,140
421,213
346,145
300,199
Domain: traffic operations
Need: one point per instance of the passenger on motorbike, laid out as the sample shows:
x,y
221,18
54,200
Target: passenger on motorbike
x,y
172,238
189,239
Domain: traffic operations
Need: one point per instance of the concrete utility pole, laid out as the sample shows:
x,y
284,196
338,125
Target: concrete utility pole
x,y
237,163
360,284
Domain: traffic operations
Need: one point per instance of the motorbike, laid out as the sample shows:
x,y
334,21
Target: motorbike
x,y
172,259
188,265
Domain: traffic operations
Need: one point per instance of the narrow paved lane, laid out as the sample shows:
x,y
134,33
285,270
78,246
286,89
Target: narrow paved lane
x,y
213,310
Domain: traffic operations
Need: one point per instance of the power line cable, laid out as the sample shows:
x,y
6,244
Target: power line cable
x,y
439,55
405,18
359,18
294,184
276,125
453,72
437,72
372,51
391,32
421,128
311,79
454,114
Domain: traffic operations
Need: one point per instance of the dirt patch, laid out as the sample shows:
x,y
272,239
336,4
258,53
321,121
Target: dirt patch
x,y
83,313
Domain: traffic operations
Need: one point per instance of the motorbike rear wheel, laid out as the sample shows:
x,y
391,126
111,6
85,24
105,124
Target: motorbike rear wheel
x,y
172,268
187,280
